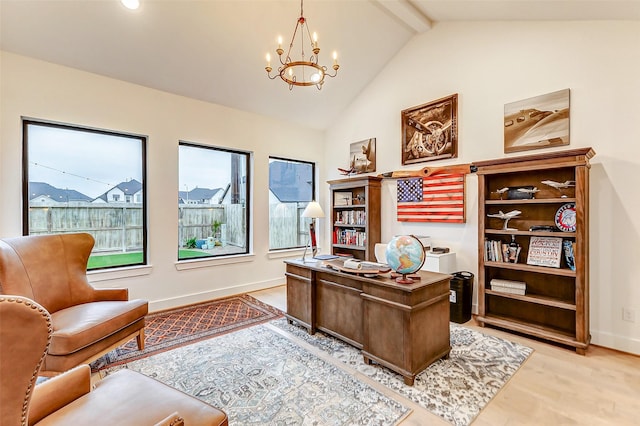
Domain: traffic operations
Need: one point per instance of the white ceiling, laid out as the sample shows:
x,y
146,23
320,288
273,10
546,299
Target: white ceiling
x,y
215,50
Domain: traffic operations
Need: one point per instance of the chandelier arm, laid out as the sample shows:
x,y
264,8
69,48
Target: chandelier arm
x,y
330,75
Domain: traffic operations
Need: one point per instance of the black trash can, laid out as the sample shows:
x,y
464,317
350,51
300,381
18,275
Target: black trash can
x,y
460,293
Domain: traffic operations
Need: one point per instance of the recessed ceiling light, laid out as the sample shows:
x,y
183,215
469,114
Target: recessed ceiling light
x,y
131,4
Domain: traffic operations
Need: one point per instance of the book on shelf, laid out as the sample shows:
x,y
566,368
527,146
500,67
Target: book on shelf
x,y
508,290
508,286
350,237
499,251
508,283
545,251
351,217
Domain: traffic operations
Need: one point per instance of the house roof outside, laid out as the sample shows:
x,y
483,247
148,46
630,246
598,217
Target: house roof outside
x,y
38,189
290,182
198,194
129,187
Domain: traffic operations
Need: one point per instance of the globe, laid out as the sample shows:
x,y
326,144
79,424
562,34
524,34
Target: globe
x,y
405,255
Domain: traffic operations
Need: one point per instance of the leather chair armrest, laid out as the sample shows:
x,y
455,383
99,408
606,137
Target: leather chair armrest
x,y
59,391
172,420
103,294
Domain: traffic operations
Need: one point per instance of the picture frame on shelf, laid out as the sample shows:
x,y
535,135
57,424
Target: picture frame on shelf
x,y
362,156
569,254
537,122
430,131
342,198
545,251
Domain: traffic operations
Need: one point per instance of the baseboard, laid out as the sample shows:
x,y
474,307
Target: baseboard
x,y
617,342
606,340
190,299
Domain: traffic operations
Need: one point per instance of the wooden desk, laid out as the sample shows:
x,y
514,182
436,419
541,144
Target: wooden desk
x,y
402,327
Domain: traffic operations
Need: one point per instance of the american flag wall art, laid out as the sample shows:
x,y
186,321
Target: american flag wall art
x,y
437,198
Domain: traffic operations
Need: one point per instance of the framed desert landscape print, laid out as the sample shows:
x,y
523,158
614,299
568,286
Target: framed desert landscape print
x,y
538,122
362,156
430,131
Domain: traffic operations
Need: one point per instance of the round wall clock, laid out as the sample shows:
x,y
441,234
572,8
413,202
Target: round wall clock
x,y
566,217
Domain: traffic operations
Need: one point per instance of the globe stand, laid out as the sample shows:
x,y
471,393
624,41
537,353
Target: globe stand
x,y
405,278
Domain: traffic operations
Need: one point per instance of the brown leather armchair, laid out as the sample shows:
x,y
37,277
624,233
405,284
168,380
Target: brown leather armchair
x,y
124,398
87,322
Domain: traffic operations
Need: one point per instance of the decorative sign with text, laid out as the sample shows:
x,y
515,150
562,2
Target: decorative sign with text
x,y
545,251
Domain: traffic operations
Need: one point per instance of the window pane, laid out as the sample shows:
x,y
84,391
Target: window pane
x,y
86,180
291,187
213,202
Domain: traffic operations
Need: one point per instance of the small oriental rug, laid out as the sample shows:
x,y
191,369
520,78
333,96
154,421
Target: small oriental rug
x,y
177,327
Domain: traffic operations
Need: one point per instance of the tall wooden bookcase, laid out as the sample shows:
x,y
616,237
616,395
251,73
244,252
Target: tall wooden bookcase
x,y
355,216
555,306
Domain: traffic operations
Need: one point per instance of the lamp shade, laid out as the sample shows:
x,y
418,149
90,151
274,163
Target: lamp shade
x,y
313,210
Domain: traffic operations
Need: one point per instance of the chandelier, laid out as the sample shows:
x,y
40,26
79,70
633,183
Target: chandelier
x,y
303,72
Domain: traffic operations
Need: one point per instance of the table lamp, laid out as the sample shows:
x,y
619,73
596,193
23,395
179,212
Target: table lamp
x,y
313,211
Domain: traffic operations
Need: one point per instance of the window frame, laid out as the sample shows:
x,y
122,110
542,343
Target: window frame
x,y
142,139
314,193
248,156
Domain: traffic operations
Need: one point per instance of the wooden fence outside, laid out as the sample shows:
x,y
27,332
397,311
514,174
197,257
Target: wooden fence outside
x,y
118,228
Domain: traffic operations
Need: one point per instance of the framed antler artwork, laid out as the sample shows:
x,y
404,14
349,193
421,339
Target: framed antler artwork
x,y
430,131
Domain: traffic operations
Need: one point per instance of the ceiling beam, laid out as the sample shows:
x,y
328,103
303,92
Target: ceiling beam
x,y
407,13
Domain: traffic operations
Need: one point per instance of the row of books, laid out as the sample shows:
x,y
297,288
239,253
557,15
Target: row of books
x,y
508,286
499,251
351,217
349,237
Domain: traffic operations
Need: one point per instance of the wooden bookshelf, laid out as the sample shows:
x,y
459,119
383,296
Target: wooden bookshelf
x,y
355,226
555,306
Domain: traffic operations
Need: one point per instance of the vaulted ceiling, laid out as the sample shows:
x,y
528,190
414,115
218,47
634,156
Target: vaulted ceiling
x,y
215,50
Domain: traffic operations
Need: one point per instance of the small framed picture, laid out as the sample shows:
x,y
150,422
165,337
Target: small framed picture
x,y
341,199
362,156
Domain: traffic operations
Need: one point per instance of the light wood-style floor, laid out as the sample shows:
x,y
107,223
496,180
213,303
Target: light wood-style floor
x,y
555,386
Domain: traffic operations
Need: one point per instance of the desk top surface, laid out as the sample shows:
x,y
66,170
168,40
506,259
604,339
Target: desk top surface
x,y
426,277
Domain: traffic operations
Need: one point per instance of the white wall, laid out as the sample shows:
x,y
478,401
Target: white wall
x,y
42,90
489,65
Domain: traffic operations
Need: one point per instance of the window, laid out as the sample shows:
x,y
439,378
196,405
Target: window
x,y
291,187
213,201
76,179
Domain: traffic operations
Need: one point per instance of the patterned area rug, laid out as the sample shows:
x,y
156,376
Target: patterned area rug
x,y
171,329
457,388
259,377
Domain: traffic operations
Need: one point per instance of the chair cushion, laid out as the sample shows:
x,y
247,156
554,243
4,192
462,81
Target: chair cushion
x,y
127,398
82,325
